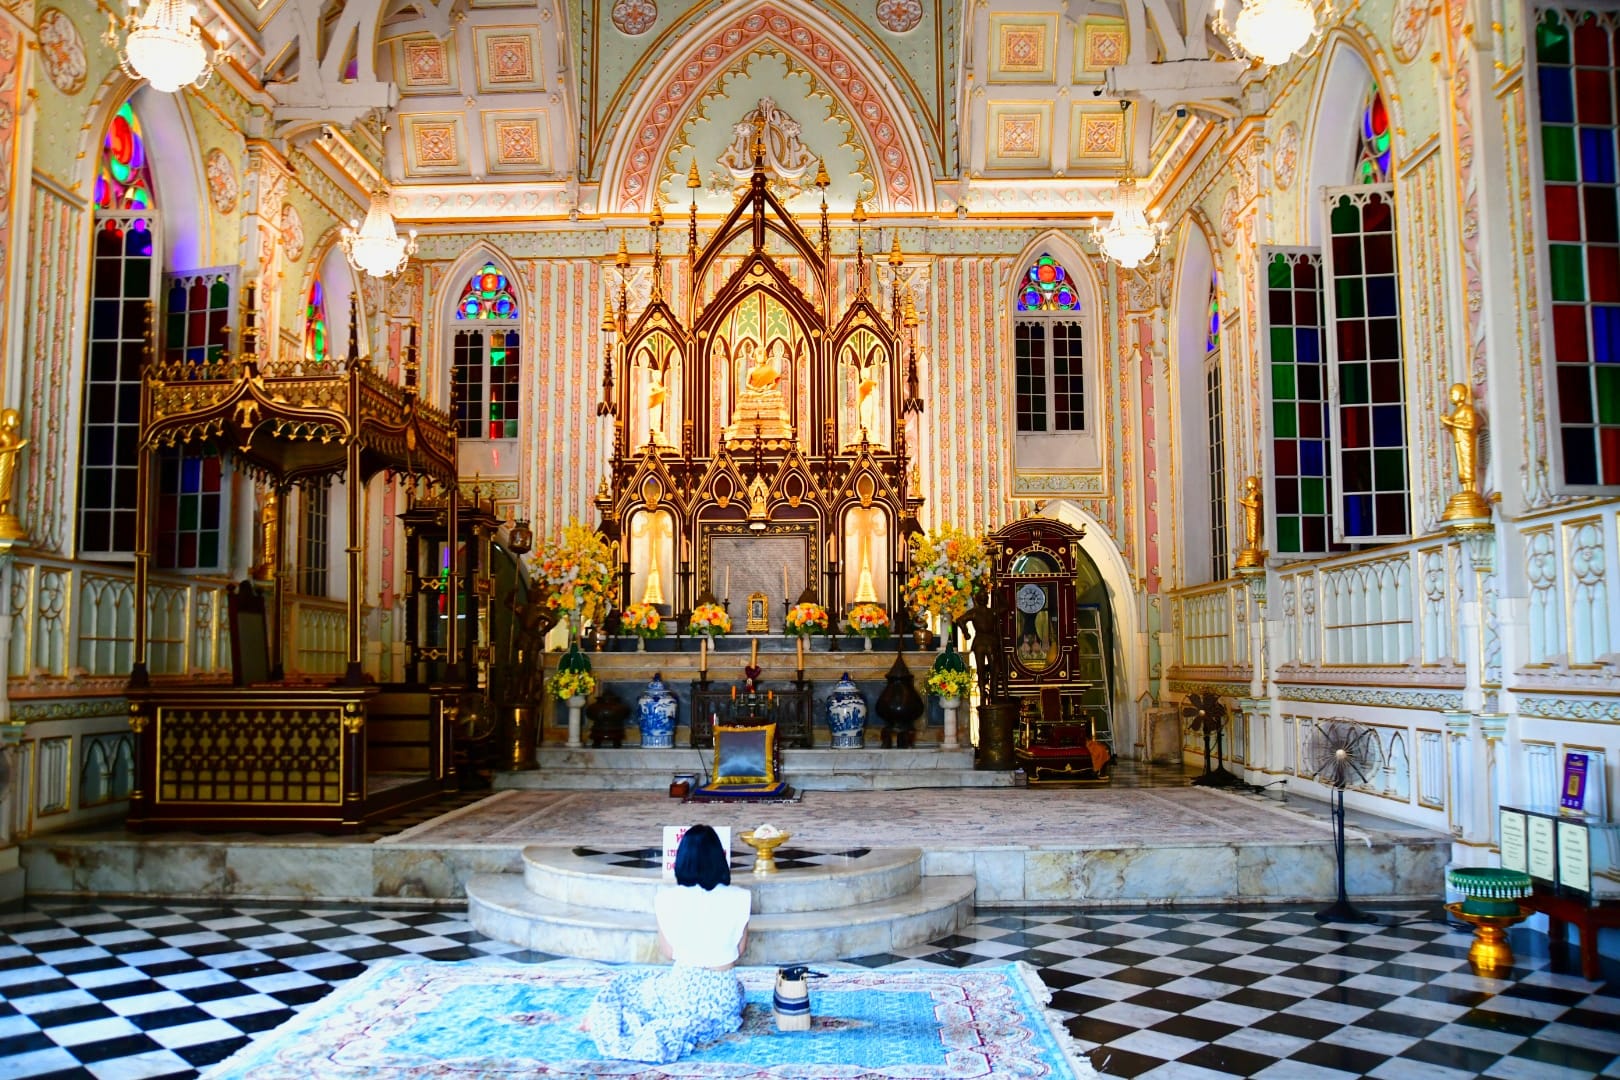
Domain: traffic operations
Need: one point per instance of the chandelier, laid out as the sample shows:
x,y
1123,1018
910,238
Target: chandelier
x,y
1129,238
1270,31
163,45
376,246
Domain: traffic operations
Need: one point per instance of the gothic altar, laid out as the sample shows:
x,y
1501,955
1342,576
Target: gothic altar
x,y
760,435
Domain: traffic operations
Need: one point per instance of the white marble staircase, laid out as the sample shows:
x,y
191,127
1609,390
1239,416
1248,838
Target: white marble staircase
x,y
581,906
637,769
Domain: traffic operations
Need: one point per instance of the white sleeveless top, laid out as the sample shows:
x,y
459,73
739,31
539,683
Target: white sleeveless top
x,y
703,928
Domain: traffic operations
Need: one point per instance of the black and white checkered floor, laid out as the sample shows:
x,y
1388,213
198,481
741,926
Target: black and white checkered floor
x,y
122,991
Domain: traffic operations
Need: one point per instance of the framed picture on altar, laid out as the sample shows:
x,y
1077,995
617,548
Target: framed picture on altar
x,y
759,621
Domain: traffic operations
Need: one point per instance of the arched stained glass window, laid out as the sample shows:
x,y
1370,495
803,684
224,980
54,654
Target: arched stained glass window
x,y
487,296
1213,342
315,344
486,360
1372,157
122,181
1048,287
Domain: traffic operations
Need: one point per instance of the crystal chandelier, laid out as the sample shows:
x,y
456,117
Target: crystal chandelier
x,y
1129,238
376,246
1270,31
163,45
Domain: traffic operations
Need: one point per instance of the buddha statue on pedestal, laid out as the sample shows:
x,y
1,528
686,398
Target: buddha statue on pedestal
x,y
761,407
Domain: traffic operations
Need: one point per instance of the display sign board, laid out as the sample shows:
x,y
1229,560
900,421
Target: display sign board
x,y
1541,845
1513,828
1575,856
672,840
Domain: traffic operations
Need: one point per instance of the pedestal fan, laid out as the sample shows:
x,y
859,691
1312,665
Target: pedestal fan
x,y
1341,754
1206,715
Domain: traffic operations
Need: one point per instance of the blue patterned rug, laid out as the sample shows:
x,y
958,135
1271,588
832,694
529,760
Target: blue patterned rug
x,y
416,1020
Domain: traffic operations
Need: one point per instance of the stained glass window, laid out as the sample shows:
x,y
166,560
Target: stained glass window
x,y
1372,153
487,296
315,342
196,328
1370,380
1215,420
1300,444
123,280
1048,287
1576,74
486,361
122,180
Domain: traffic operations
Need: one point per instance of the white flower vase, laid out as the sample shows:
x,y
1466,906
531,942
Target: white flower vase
x,y
576,712
866,643
641,644
948,706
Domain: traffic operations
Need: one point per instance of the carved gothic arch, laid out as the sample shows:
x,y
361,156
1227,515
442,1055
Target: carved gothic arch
x,y
1195,262
435,377
645,125
1350,66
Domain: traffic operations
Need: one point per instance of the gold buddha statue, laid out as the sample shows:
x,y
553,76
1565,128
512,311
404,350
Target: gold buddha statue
x,y
761,408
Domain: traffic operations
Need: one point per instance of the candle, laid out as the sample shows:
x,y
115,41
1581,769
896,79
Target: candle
x,y
728,583
832,549
784,581
703,655
770,696
753,653
686,549
799,642
734,692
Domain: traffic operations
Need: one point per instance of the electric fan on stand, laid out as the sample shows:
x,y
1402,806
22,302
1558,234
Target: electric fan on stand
x,y
1206,715
1341,754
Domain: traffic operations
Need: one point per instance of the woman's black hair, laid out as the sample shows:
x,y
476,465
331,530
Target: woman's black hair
x,y
701,859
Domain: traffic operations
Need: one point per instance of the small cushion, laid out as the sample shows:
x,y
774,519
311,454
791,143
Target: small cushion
x,y
744,755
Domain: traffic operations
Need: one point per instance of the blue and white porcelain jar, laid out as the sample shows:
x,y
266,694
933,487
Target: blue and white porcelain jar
x,y
846,715
655,710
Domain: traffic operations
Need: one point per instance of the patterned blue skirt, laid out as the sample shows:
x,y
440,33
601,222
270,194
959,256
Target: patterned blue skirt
x,y
659,1015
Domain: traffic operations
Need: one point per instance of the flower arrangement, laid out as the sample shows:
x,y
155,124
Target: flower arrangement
x,y
709,620
948,565
806,619
949,684
869,621
576,571
567,684
643,621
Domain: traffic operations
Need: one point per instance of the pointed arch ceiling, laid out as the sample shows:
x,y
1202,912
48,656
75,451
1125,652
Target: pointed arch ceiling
x,y
673,87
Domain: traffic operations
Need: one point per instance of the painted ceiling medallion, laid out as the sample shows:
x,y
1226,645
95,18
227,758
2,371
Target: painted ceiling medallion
x,y
899,16
634,17
786,157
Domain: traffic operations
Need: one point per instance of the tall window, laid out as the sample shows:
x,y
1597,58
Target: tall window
x,y
1301,452
123,280
1049,352
196,329
1369,376
1576,76
315,343
486,358
1214,418
1373,148
313,527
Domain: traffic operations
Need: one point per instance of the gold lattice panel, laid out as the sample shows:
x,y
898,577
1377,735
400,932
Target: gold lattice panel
x,y
251,756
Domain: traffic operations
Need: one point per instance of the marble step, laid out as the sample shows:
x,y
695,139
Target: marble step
x,y
658,780
501,906
557,874
685,758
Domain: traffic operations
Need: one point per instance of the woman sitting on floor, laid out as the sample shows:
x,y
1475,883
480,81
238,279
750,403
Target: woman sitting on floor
x,y
661,1016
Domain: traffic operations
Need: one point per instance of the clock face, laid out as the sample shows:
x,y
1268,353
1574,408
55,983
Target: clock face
x,y
1031,598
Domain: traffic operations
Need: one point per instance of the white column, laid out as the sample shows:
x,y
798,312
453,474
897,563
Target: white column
x,y
948,706
576,710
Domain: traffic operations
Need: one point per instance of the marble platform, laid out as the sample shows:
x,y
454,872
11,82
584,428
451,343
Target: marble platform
x,y
635,769
1098,847
570,904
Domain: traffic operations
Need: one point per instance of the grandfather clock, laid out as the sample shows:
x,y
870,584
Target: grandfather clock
x,y
1051,665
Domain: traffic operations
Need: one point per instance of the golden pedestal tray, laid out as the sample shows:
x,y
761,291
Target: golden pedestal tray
x,y
764,850
1490,950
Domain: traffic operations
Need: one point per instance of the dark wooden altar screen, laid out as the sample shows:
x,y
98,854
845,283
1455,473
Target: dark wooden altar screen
x,y
792,713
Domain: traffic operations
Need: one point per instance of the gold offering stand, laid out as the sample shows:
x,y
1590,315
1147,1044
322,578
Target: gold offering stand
x,y
1492,906
272,752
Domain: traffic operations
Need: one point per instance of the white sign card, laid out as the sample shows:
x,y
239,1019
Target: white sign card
x,y
1514,856
672,840
1574,856
1543,855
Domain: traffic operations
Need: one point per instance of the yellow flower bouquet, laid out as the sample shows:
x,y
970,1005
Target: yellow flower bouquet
x,y
576,573
869,621
949,684
709,620
948,565
643,621
567,684
806,619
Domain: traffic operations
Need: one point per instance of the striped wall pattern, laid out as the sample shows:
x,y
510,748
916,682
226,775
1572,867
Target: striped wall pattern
x,y
568,442
58,238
